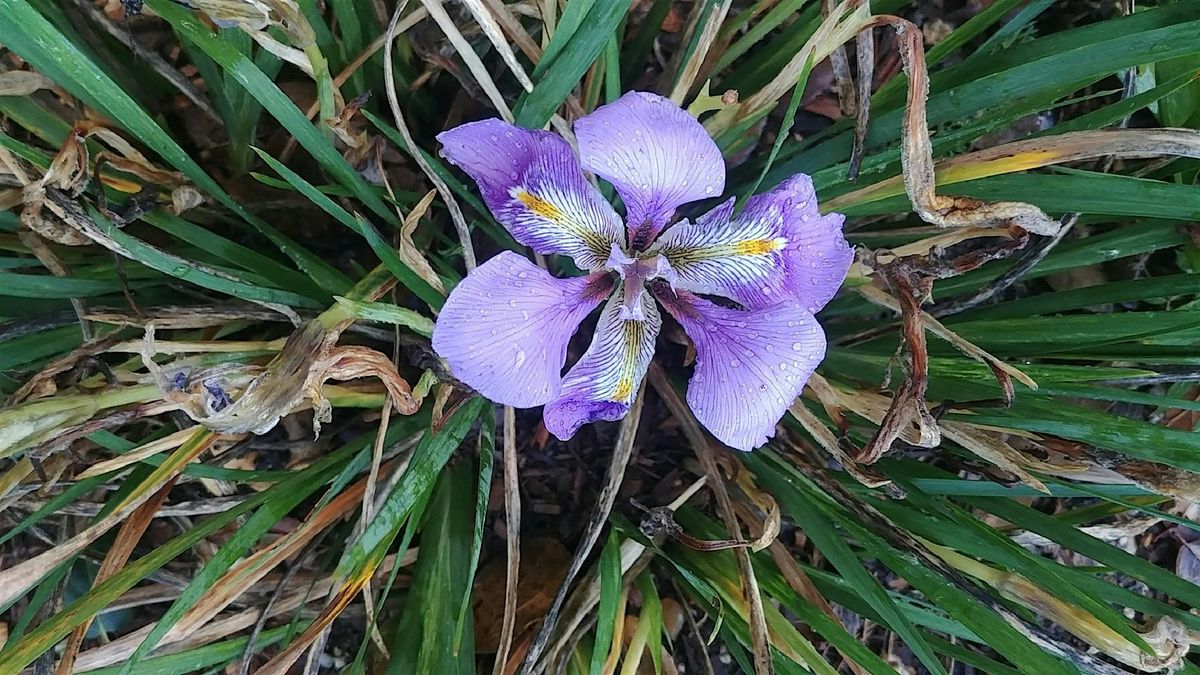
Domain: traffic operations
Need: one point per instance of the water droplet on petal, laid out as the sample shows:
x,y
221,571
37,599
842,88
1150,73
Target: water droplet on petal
x,y
735,363
797,346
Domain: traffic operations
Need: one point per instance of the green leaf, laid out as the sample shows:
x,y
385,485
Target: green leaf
x,y
186,270
281,499
786,483
430,455
610,596
1106,554
1135,438
46,286
383,312
833,546
1130,290
572,56
483,493
426,638
237,66
387,255
26,33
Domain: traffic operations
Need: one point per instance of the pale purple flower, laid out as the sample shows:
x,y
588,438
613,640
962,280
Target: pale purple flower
x,y
504,329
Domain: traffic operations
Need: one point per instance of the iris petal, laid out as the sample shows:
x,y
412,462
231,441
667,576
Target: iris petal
x,y
604,382
778,248
750,364
656,155
504,329
532,182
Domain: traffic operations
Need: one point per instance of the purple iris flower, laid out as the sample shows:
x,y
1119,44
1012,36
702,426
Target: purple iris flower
x,y
504,329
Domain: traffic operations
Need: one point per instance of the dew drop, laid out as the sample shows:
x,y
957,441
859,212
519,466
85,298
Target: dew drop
x,y
512,303
735,363
708,189
522,275
797,346
520,358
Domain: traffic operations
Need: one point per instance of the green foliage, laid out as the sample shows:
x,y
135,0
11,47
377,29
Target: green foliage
x,y
959,557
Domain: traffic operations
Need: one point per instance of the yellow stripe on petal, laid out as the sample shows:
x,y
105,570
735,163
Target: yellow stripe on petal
x,y
539,206
632,336
760,246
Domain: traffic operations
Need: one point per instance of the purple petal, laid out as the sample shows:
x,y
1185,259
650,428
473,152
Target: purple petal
x,y
504,329
532,182
602,385
656,155
750,364
779,248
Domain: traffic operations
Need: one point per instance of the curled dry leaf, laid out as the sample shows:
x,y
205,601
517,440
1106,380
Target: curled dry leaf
x,y
255,17
22,83
69,173
916,156
408,250
185,197
308,358
1003,372
829,441
910,282
873,407
908,402
245,14
1085,463
342,127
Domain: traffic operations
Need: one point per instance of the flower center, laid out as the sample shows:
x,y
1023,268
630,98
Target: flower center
x,y
636,272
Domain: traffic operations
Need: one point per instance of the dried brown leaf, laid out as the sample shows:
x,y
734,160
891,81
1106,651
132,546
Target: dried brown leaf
x,y
22,83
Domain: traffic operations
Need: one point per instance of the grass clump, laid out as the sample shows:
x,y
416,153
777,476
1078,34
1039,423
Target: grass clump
x,y
226,226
